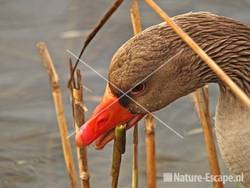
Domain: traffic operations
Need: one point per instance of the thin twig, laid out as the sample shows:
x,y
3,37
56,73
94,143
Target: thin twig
x,y
202,107
57,96
79,119
195,47
92,34
118,150
136,23
150,151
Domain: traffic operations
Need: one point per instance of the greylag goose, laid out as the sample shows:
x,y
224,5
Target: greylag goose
x,y
181,72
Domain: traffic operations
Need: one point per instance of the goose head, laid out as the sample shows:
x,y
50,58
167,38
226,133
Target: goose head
x,y
143,77
154,68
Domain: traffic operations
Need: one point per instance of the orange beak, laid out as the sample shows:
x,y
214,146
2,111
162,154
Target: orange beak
x,y
107,115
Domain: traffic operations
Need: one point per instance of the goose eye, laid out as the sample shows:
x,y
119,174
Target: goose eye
x,y
138,89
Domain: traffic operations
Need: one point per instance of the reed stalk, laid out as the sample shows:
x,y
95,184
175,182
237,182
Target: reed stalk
x,y
195,47
135,17
202,107
118,150
79,119
136,23
57,97
150,151
135,171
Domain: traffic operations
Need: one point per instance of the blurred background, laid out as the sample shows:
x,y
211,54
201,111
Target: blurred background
x,y
30,149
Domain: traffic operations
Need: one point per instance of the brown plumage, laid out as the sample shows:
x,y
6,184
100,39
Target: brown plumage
x,y
226,41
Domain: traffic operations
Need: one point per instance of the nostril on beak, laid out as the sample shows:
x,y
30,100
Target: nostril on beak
x,y
101,120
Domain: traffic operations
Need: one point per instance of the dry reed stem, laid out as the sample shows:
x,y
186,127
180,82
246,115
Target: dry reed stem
x,y
57,97
135,172
79,119
202,107
136,23
118,150
93,33
150,151
135,17
186,38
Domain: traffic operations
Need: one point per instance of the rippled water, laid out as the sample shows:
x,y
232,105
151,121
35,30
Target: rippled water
x,y
30,150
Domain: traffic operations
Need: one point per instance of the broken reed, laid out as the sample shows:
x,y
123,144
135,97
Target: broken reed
x,y
201,99
136,23
57,97
118,149
150,151
135,170
78,110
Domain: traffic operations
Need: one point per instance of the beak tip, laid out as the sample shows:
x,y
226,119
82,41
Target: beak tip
x,y
99,147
